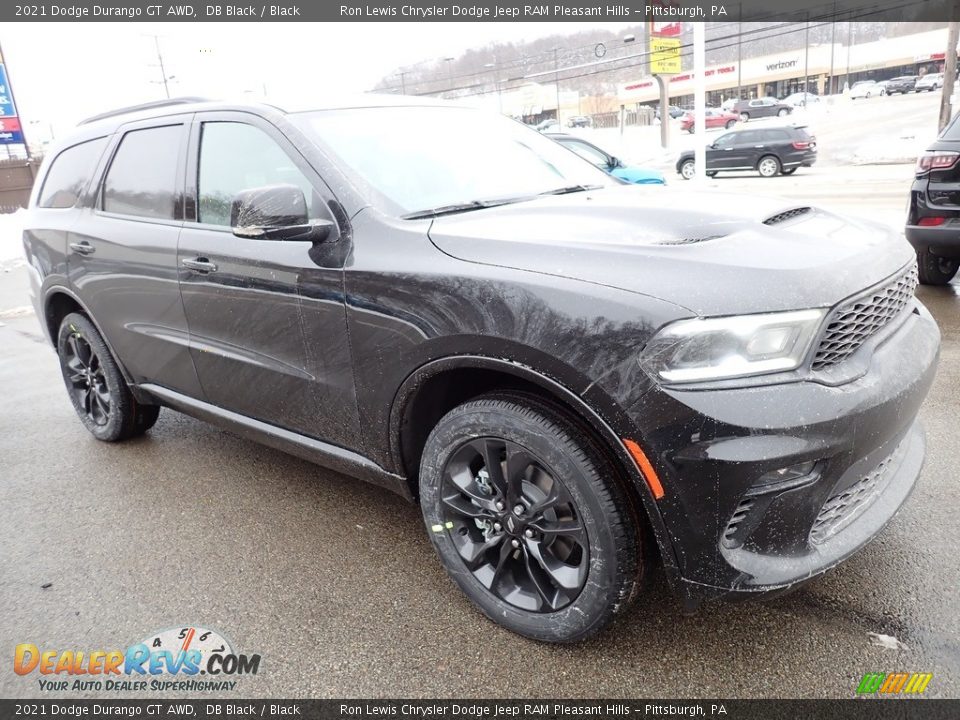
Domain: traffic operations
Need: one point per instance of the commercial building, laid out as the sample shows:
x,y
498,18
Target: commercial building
x,y
822,69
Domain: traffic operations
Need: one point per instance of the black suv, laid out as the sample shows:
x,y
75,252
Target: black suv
x,y
933,218
573,377
762,107
768,151
902,85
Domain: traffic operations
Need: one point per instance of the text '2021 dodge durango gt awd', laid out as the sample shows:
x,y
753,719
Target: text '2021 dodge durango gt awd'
x,y
573,377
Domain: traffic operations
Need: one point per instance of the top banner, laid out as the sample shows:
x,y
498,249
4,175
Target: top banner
x,y
667,12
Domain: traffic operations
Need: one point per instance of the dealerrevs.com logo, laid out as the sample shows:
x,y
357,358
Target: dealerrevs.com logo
x,y
185,658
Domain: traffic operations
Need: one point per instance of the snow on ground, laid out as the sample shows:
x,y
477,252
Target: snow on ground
x,y
11,239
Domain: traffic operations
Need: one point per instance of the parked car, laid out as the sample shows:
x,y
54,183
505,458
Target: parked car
x,y
579,121
801,99
929,82
768,151
933,216
761,107
902,84
867,89
675,112
572,379
609,163
548,125
713,118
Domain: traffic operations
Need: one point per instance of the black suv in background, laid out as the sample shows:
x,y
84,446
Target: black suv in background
x,y
768,151
933,217
902,84
762,107
573,377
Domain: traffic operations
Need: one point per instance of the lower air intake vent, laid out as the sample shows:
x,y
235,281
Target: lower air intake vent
x,y
736,528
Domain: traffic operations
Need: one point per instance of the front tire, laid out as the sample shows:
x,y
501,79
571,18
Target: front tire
x,y
782,112
768,166
528,518
730,124
933,270
688,169
96,387
788,171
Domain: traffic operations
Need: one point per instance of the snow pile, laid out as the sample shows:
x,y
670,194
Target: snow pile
x,y
11,238
882,150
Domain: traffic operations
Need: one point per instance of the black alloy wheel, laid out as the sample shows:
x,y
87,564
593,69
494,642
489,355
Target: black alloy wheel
x,y
97,388
530,518
514,524
86,380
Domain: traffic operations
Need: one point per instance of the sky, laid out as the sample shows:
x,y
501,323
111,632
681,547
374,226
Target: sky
x,y
64,72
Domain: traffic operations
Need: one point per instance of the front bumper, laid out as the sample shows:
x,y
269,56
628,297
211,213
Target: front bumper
x,y
735,536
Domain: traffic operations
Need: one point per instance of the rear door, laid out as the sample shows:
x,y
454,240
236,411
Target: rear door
x,y
123,265
267,319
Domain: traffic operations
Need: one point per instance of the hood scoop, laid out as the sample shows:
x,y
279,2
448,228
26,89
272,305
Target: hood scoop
x,y
786,215
686,241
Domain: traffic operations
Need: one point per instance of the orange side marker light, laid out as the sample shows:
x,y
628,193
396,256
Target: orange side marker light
x,y
646,469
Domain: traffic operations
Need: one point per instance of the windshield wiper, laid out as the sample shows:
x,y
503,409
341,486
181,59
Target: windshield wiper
x,y
461,207
571,189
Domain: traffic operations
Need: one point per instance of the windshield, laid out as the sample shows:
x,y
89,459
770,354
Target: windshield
x,y
414,159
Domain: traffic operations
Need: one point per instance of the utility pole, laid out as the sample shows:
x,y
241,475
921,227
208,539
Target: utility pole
x,y
806,61
949,74
164,80
833,41
403,83
556,79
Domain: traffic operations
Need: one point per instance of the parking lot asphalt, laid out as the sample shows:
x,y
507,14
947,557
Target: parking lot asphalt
x,y
335,584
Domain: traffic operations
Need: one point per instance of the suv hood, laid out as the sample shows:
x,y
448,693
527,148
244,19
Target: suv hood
x,y
712,253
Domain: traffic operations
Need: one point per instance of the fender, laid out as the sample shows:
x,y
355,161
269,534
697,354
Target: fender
x,y
48,294
557,390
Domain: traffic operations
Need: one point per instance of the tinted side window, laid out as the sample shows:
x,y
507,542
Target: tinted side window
x,y
748,137
69,174
235,157
142,178
775,136
588,153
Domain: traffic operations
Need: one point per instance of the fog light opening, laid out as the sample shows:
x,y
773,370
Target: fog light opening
x,y
786,477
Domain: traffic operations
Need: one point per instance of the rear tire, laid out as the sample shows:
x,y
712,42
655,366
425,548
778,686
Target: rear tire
x,y
711,173
96,387
529,519
744,116
768,166
933,270
782,112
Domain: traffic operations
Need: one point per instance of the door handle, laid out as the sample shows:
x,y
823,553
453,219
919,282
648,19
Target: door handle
x,y
83,247
200,265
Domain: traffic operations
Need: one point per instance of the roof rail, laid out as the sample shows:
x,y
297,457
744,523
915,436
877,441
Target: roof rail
x,y
144,106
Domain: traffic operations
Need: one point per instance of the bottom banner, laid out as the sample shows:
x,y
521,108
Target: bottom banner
x,y
874,709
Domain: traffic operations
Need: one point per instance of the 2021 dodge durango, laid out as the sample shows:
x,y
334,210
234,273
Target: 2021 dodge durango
x,y
933,215
573,377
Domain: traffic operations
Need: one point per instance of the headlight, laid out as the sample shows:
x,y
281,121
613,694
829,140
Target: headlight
x,y
718,348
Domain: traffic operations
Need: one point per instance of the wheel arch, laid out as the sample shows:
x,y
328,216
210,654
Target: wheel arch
x,y
438,386
60,301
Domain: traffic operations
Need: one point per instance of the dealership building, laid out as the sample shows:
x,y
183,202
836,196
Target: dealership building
x,y
788,72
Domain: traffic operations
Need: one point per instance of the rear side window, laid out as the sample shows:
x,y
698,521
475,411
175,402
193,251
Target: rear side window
x,y
952,130
773,135
142,178
69,174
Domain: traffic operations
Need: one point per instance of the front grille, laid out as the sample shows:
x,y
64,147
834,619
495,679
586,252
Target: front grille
x,y
855,321
844,507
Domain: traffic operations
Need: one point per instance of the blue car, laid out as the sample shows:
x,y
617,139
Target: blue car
x,y
590,152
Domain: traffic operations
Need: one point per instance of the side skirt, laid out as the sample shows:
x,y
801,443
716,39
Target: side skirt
x,y
324,454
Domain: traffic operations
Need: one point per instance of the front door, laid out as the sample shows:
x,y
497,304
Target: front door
x,y
267,322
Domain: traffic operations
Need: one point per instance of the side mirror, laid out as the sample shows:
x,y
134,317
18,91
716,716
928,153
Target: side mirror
x,y
276,212
614,163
